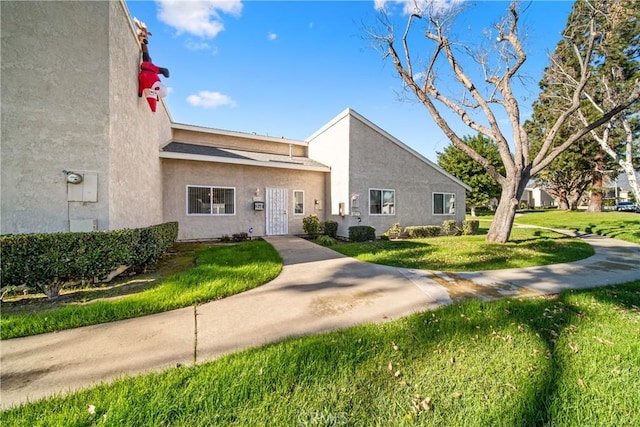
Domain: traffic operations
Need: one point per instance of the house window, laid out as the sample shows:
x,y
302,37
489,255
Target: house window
x,y
444,203
298,202
382,202
211,200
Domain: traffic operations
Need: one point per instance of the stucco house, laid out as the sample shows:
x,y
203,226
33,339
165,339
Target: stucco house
x,y
536,197
82,114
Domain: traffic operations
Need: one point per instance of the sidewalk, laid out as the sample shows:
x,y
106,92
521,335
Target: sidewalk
x,y
318,290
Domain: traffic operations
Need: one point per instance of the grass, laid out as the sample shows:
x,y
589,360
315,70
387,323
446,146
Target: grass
x,y
528,247
218,271
568,360
619,225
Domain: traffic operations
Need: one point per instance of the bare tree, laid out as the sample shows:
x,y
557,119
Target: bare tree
x,y
497,71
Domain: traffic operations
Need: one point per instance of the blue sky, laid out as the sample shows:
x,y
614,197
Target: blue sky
x,y
285,68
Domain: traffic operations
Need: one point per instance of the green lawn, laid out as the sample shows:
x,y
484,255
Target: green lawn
x,y
567,360
219,271
528,247
619,225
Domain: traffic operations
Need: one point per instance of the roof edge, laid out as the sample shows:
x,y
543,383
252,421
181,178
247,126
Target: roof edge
x,y
214,131
245,162
353,113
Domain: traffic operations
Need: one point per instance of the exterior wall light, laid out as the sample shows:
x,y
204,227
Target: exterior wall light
x,y
72,177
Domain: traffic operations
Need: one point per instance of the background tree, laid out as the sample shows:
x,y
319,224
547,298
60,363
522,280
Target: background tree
x,y
615,71
463,94
578,169
463,167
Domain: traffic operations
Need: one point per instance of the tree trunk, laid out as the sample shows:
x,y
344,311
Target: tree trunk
x,y
595,201
502,223
563,201
473,211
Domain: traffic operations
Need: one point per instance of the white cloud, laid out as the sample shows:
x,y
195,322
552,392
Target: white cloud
x,y
412,6
207,99
272,36
197,17
196,45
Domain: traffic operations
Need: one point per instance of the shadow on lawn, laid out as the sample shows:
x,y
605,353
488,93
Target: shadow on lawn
x,y
534,400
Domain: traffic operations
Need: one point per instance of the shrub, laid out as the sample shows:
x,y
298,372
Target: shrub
x,y
470,226
326,240
50,261
420,231
225,238
154,241
311,225
450,227
240,237
394,232
362,233
329,228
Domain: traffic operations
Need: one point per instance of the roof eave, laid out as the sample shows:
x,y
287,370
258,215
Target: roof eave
x,y
213,131
244,162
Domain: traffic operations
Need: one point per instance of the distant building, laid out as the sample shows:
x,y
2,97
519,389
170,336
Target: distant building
x,y
536,197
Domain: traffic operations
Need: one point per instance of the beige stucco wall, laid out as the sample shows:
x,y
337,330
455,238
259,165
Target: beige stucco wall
x,y
55,89
136,133
69,102
377,162
362,158
178,174
330,146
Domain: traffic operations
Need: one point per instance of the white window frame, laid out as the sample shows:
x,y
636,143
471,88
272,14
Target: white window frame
x,y
382,190
445,211
294,202
211,188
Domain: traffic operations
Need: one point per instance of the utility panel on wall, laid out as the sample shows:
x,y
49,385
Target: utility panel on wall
x,y
86,190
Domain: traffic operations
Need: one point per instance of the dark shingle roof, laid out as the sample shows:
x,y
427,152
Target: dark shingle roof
x,y
253,156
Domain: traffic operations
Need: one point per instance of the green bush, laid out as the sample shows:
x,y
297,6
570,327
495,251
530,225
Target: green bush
x,y
394,232
450,227
311,225
326,240
470,226
420,231
329,228
240,237
362,233
154,241
49,261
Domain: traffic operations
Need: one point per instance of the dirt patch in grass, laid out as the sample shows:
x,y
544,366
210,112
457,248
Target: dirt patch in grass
x,y
180,257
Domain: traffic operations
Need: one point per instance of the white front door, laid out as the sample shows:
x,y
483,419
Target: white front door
x,y
276,211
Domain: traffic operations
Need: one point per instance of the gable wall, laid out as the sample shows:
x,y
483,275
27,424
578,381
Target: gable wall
x,y
330,146
377,162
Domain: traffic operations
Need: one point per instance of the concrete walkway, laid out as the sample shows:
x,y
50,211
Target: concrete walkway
x,y
318,290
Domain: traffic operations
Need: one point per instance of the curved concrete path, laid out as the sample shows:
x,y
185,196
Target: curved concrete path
x,y
318,290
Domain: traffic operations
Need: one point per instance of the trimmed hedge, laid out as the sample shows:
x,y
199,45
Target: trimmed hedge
x,y
470,226
362,233
329,228
49,261
419,231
